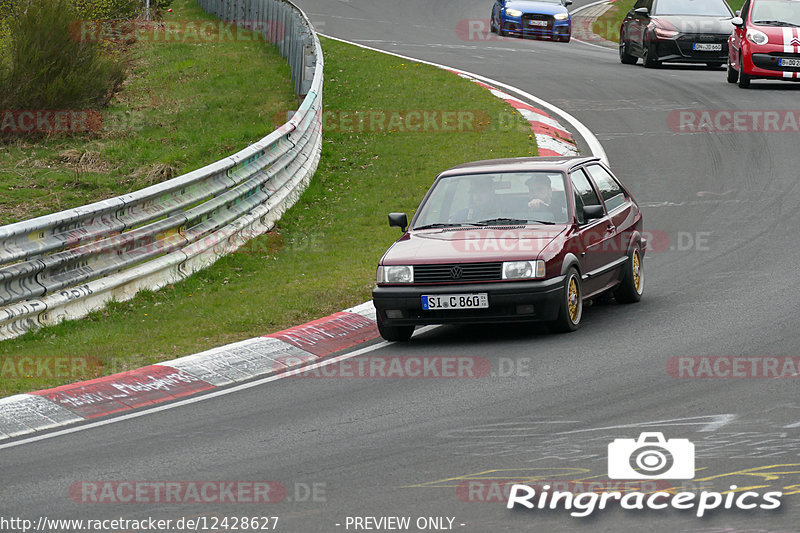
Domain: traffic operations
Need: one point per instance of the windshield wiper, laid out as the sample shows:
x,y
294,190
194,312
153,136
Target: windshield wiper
x,y
775,23
492,221
438,225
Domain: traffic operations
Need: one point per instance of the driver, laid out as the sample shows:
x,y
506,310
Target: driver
x,y
540,191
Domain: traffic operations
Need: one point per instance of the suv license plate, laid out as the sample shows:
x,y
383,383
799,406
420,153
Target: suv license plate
x,y
785,62
455,301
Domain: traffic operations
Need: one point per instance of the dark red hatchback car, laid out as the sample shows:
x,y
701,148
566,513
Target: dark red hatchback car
x,y
510,240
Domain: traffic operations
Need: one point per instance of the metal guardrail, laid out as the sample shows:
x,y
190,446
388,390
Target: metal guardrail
x,y
67,264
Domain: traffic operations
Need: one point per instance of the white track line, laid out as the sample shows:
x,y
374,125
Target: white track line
x,y
587,6
588,136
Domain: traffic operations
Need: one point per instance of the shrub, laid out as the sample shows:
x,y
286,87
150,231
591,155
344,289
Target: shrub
x,y
47,68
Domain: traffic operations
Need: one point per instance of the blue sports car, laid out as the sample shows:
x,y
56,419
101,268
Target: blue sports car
x,y
537,18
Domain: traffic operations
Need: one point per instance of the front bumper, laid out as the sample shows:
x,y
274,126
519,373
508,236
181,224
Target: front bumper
x,y
508,302
681,49
764,64
554,28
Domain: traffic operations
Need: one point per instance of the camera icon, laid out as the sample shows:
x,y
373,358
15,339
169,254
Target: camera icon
x,y
651,457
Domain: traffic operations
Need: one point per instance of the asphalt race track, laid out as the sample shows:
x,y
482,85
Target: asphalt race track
x,y
721,280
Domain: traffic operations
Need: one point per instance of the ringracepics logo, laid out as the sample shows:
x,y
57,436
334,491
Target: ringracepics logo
x,y
650,456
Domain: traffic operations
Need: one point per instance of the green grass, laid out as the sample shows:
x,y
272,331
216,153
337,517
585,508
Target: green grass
x,y
322,256
607,25
185,104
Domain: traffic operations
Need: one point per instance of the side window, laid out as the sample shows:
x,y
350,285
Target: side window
x,y
745,10
584,194
640,3
611,192
649,5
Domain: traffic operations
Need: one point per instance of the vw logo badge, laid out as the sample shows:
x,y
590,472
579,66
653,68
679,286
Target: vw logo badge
x,y
455,272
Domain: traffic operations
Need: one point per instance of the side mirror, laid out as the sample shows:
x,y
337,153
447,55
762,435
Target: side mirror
x,y
642,11
567,2
737,21
593,211
398,220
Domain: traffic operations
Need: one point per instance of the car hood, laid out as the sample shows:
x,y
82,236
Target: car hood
x,y
695,24
471,245
531,6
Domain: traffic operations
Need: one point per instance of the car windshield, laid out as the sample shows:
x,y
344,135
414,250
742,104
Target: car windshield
x,y
776,13
711,8
493,199
528,9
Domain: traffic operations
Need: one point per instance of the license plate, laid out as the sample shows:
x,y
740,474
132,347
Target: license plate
x,y
707,47
455,301
784,62
537,23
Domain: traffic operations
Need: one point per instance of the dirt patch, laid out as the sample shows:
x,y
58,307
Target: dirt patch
x,y
155,173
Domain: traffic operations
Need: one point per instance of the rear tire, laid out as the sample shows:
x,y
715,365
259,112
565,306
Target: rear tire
x,y
394,333
492,27
571,308
733,74
631,288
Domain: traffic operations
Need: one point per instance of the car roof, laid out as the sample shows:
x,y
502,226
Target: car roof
x,y
518,164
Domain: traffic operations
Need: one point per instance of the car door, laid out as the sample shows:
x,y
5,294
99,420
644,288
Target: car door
x,y
637,27
621,218
737,36
589,239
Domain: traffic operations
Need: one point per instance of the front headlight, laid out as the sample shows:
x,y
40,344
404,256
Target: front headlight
x,y
513,12
561,16
661,33
523,269
396,274
757,37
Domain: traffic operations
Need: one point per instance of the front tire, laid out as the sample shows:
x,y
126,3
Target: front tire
x,y
625,57
651,57
571,308
733,74
394,333
744,79
631,288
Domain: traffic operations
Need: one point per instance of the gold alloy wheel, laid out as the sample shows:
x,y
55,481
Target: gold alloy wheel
x,y
637,272
572,299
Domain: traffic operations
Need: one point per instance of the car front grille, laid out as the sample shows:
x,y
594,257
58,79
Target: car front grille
x,y
455,273
526,17
685,44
